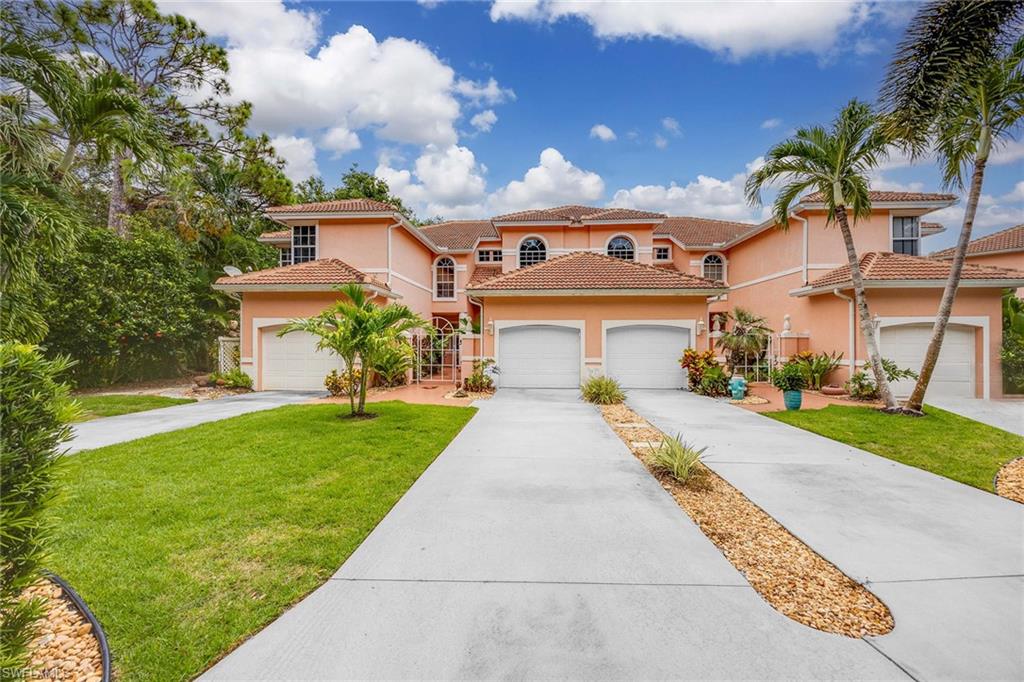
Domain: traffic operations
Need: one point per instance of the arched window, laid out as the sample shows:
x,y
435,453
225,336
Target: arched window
x,y
713,267
444,278
532,250
621,247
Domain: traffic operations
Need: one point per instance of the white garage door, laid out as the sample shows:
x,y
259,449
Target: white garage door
x,y
539,356
293,362
954,372
646,356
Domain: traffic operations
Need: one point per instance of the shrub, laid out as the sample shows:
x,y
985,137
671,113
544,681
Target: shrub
x,y
234,378
1012,354
714,382
894,373
344,383
479,381
602,390
34,415
861,387
392,365
788,377
696,363
816,367
677,458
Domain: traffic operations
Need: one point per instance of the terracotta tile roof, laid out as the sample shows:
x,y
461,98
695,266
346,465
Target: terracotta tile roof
x,y
276,236
587,270
340,206
459,234
891,196
883,266
701,231
482,274
1010,239
576,214
322,271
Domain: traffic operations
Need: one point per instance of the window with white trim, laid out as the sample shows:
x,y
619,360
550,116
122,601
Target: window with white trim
x,y
662,253
906,235
713,267
444,279
303,243
532,251
622,248
285,257
488,256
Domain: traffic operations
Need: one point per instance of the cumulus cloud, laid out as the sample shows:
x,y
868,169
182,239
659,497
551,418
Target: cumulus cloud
x,y
553,181
671,126
299,155
484,121
734,29
486,93
1011,151
706,197
602,132
660,141
771,123
340,140
444,181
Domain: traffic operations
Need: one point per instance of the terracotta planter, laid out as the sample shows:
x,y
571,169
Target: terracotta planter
x,y
833,390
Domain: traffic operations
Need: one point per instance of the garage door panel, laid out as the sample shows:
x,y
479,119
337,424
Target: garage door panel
x,y
955,370
646,356
293,362
539,356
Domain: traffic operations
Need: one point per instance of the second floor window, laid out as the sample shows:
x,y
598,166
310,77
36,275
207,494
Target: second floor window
x,y
303,243
532,251
444,278
662,253
906,235
285,257
488,256
621,247
713,267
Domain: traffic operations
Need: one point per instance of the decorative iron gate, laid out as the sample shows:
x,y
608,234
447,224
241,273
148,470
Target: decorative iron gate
x,y
756,366
437,353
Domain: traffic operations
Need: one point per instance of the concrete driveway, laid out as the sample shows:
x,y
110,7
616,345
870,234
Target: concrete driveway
x,y
536,546
109,430
946,558
1007,415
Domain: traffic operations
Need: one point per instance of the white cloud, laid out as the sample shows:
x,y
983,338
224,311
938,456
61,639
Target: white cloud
x,y
734,29
706,197
660,141
771,123
444,181
299,155
992,215
671,126
1016,194
1009,152
554,181
269,24
878,181
340,140
484,121
602,132
488,93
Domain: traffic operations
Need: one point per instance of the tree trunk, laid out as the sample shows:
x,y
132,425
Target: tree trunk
x,y
364,379
350,368
867,327
67,160
118,206
931,356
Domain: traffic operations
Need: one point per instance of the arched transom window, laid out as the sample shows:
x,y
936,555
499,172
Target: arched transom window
x,y
444,278
532,250
621,247
713,267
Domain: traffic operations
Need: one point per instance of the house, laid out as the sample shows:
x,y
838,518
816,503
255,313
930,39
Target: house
x,y
557,294
1003,249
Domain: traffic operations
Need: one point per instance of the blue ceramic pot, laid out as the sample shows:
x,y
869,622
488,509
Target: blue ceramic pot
x,y
792,399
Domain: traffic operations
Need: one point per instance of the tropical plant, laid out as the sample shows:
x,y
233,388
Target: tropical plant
x,y
677,458
34,414
817,366
234,378
835,163
479,380
696,363
861,387
393,364
894,372
958,88
346,383
602,390
747,336
1012,352
788,377
714,382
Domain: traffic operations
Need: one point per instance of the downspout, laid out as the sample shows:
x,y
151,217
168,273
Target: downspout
x,y
804,246
853,330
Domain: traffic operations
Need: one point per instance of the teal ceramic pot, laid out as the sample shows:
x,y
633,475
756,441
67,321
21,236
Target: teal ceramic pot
x,y
792,399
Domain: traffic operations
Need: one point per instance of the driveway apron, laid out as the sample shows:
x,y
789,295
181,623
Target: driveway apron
x,y
1007,415
947,559
536,546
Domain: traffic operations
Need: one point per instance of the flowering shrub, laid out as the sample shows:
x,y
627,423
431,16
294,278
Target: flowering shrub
x,y
344,383
696,363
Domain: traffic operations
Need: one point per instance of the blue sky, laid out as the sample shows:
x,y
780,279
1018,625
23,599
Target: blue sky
x,y
472,109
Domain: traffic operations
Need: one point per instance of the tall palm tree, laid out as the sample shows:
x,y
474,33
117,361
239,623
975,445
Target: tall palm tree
x,y
836,163
978,106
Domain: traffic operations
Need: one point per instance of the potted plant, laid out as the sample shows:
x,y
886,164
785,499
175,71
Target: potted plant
x,y
789,379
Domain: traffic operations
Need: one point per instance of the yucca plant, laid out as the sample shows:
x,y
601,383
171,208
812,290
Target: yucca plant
x,y
602,390
677,458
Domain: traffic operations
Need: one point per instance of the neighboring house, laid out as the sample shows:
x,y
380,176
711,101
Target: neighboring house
x,y
1003,249
562,293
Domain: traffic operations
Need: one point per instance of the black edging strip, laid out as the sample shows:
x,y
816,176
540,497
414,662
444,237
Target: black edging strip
x,y
97,629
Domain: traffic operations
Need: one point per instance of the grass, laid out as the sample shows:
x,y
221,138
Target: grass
x,y
185,543
940,442
95,406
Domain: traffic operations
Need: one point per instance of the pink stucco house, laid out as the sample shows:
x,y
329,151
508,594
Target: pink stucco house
x,y
560,293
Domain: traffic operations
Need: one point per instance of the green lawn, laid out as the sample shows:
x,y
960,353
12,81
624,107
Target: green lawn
x,y
941,442
95,406
187,542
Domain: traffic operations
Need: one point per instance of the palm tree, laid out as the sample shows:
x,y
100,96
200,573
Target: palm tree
x,y
748,336
978,106
836,164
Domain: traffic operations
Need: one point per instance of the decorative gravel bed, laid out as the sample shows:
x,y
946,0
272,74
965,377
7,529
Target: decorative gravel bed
x,y
785,572
1010,480
66,648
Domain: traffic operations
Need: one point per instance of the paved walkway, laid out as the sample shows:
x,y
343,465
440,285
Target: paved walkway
x,y
537,547
109,430
1002,414
946,558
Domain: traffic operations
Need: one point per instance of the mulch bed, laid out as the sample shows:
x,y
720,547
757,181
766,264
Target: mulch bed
x,y
65,648
1010,480
785,572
